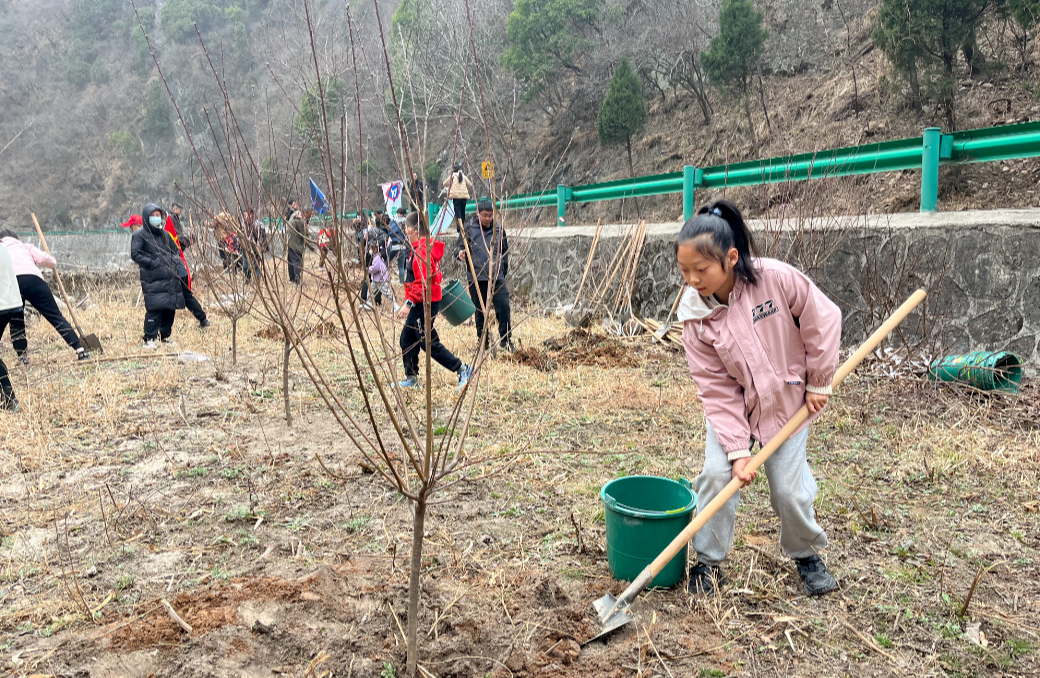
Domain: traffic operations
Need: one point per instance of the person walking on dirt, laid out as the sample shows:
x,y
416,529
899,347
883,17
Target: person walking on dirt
x,y
26,260
459,187
154,250
10,304
424,284
253,243
398,243
296,244
486,243
184,241
761,340
380,281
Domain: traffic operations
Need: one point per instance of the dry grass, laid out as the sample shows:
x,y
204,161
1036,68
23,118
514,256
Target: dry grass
x,y
181,481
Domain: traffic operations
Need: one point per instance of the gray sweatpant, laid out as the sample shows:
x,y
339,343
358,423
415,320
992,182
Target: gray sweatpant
x,y
792,490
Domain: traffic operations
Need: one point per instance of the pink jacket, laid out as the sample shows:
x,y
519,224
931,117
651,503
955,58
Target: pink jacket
x,y
28,258
754,359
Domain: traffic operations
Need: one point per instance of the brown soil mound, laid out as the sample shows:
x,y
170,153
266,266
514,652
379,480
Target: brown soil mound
x,y
577,348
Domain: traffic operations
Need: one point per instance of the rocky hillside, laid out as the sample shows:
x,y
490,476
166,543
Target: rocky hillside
x,y
88,132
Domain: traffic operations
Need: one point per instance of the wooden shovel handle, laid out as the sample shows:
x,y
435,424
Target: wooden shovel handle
x,y
588,261
61,287
706,512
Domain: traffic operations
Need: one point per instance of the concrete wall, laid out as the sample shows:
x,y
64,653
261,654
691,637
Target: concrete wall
x,y
90,252
982,271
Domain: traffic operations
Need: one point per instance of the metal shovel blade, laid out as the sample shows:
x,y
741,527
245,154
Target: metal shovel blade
x,y
610,615
662,330
92,343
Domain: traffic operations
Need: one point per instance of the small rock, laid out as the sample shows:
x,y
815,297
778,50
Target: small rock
x,y
974,634
260,628
310,596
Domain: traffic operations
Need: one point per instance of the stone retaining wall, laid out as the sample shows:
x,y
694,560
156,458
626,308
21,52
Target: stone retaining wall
x,y
982,271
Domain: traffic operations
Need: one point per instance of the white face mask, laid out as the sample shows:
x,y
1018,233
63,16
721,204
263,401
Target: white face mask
x,y
155,221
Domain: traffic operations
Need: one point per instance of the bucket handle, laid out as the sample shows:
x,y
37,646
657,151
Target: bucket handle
x,y
612,503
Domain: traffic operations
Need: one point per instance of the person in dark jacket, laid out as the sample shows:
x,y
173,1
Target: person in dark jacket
x,y
398,244
184,241
416,191
296,244
291,209
154,250
486,243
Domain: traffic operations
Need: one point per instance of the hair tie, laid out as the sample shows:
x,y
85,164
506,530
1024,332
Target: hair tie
x,y
717,212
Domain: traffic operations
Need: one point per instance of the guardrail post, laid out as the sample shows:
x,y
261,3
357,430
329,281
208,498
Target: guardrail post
x,y
561,205
689,174
930,169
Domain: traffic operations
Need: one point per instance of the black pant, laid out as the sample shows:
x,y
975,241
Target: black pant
x,y
159,324
459,205
295,266
35,291
500,302
377,293
6,390
191,303
413,340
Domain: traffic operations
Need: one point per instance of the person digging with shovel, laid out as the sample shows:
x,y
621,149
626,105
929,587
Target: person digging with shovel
x,y
27,260
761,339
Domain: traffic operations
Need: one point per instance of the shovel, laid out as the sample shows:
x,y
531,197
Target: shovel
x,y
613,612
667,324
90,341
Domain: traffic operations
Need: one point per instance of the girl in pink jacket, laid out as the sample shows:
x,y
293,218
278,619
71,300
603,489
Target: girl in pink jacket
x,y
761,340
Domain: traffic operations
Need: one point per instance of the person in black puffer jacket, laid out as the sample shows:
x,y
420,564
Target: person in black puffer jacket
x,y
154,250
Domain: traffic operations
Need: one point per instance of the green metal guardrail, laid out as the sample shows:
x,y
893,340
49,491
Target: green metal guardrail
x,y
926,153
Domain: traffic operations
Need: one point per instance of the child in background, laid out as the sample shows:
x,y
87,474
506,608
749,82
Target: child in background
x,y
424,285
761,339
380,280
324,241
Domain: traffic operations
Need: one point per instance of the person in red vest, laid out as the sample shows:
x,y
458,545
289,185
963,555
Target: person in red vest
x,y
184,241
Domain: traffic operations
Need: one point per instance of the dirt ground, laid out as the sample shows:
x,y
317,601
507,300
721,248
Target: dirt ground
x,y
130,483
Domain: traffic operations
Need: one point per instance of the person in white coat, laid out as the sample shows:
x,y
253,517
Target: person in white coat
x,y
10,304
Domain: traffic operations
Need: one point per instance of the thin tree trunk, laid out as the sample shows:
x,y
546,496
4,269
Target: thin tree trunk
x,y
747,114
762,98
418,523
234,340
285,377
632,172
915,86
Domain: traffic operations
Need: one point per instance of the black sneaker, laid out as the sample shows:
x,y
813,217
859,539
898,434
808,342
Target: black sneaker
x,y
507,346
82,354
815,578
705,580
204,323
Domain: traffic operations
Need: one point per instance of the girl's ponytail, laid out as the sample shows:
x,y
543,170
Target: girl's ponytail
x,y
724,227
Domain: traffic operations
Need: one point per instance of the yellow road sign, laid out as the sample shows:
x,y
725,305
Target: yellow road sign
x,y
487,169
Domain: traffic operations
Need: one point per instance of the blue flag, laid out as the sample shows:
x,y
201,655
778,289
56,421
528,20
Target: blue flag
x,y
317,198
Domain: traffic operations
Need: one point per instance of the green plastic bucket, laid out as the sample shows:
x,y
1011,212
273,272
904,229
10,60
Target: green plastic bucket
x,y
456,305
643,515
988,371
